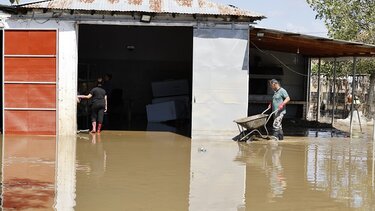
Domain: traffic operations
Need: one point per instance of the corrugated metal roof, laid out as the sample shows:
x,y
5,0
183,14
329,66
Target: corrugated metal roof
x,y
153,6
307,45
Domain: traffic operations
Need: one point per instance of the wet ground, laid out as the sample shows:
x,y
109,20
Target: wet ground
x,y
164,171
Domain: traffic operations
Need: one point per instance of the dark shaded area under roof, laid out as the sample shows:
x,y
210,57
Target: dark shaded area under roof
x,y
310,46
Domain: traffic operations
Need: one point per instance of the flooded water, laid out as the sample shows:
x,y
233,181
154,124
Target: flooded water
x,y
164,171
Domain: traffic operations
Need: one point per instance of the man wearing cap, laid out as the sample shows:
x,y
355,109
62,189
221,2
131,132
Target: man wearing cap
x,y
279,100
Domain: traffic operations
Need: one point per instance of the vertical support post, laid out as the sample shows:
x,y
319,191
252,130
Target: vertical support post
x,y
334,91
352,105
373,153
318,93
308,91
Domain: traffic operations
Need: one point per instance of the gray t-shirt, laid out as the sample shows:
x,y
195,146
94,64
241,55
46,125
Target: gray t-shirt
x,y
279,97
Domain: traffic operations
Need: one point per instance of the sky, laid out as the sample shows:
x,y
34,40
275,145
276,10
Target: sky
x,y
285,15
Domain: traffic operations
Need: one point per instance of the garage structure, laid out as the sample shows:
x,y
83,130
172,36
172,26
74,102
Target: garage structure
x,y
203,43
288,57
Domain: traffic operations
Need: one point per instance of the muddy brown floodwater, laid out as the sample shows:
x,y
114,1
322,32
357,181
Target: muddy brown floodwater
x,y
164,171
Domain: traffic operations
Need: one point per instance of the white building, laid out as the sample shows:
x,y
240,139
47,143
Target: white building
x,y
49,45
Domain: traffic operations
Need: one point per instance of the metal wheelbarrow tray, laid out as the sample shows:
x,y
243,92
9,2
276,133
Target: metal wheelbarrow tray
x,y
251,124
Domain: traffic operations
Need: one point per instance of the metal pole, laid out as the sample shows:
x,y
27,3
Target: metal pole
x,y
318,93
352,105
373,154
334,92
308,92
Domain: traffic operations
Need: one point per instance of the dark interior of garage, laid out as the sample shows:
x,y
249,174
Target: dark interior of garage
x,y
290,69
147,73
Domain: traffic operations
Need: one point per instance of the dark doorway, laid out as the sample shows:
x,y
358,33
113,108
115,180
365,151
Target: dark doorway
x,y
151,76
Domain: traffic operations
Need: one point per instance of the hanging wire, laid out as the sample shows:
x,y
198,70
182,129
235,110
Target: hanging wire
x,y
39,22
277,59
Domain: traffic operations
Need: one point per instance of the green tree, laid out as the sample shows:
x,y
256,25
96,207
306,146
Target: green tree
x,y
352,20
14,1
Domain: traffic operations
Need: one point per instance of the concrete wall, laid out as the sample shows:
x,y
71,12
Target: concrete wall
x,y
67,68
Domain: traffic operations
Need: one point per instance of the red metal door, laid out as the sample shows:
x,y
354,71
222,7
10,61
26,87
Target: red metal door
x,y
30,82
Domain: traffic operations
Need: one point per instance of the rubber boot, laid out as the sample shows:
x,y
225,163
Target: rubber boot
x,y
281,135
276,134
93,127
99,127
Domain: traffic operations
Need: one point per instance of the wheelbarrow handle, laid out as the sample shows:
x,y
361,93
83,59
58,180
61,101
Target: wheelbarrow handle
x,y
269,117
266,110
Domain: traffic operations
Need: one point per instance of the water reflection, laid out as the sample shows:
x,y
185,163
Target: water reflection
x,y
28,172
274,170
133,171
267,159
165,171
217,183
66,173
330,174
343,169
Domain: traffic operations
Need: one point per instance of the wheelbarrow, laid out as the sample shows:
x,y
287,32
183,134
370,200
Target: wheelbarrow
x,y
252,124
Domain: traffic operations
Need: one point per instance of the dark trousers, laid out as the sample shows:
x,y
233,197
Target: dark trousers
x,y
97,112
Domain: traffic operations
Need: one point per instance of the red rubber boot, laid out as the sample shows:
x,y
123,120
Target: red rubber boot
x,y
99,127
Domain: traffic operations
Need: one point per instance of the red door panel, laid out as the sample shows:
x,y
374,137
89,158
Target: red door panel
x,y
30,69
30,122
30,82
30,42
30,96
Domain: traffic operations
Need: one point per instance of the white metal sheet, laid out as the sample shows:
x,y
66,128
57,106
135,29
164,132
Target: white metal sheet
x,y
220,81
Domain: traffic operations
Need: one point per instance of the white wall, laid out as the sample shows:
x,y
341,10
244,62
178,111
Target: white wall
x,y
67,68
220,81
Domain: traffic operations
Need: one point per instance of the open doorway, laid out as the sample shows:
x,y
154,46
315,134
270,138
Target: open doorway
x,y
149,71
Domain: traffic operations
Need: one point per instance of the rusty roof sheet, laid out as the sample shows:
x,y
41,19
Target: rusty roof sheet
x,y
153,6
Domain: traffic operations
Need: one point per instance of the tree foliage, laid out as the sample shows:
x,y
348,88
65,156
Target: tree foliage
x,y
352,20
347,19
14,1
